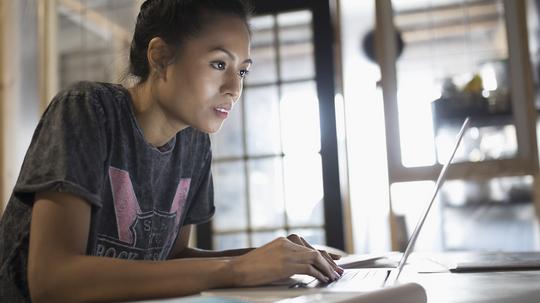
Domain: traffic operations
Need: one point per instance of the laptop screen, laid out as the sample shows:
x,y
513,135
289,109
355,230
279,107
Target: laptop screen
x,y
394,275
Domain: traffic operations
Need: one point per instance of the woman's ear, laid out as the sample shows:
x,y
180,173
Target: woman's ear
x,y
159,57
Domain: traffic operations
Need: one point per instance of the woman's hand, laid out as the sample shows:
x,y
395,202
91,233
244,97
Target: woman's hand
x,y
281,259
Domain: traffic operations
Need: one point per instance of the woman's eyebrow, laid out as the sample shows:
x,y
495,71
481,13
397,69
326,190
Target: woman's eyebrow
x,y
229,54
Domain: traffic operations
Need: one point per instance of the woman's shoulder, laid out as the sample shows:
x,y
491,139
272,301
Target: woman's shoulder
x,y
92,89
86,94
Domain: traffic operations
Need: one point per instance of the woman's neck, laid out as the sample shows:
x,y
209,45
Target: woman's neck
x,y
157,125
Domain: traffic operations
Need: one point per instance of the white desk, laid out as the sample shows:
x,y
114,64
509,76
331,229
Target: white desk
x,y
495,287
446,287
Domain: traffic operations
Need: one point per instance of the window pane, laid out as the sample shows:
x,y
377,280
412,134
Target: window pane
x,y
499,210
229,195
230,241
454,64
266,193
262,115
263,51
300,118
457,193
409,199
304,189
499,227
479,143
94,39
296,45
87,65
227,142
261,238
314,236
122,13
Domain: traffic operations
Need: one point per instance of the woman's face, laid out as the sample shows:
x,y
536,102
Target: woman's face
x,y
206,79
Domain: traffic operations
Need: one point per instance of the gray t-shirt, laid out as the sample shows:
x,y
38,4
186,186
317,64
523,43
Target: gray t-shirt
x,y
88,143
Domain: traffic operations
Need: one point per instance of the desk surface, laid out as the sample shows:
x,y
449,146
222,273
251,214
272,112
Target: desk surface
x,y
496,287
493,287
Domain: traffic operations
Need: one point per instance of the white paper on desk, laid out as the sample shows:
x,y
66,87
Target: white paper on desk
x,y
365,261
426,265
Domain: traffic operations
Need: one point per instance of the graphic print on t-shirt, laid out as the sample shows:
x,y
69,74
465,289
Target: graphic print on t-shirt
x,y
141,235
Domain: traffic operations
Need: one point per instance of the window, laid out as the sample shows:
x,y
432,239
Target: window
x,y
459,59
454,64
267,164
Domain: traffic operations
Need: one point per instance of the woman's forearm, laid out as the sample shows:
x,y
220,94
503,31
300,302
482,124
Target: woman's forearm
x,y
98,279
190,252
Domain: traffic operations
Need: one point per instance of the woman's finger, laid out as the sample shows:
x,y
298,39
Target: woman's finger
x,y
317,260
301,241
325,255
306,243
296,239
329,259
297,247
334,256
308,269
324,260
313,257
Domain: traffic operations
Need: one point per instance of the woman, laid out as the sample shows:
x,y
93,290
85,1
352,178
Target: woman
x,y
114,178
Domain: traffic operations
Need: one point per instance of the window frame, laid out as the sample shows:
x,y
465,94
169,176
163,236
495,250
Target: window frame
x,y
325,71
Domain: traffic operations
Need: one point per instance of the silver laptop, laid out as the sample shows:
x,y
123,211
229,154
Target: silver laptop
x,y
374,278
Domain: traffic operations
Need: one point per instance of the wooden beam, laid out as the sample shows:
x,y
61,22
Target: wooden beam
x,y
3,10
521,81
437,15
9,73
48,53
522,89
386,51
342,128
444,7
8,93
448,31
482,170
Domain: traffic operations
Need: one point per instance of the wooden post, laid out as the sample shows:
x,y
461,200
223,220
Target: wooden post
x,y
341,128
386,51
2,102
522,90
48,54
8,90
8,93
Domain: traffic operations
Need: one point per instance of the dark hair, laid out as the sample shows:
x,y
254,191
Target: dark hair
x,y
175,21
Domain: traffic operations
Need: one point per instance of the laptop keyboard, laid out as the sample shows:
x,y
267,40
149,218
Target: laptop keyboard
x,y
362,277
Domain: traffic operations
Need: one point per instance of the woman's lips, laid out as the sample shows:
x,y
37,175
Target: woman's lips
x,y
221,112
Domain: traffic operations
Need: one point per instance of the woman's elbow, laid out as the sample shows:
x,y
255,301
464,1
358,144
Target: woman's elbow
x,y
46,285
40,289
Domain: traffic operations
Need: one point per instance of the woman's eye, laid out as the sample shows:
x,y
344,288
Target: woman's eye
x,y
244,73
220,65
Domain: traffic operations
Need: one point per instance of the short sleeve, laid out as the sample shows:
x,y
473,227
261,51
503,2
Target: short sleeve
x,y
202,207
68,149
